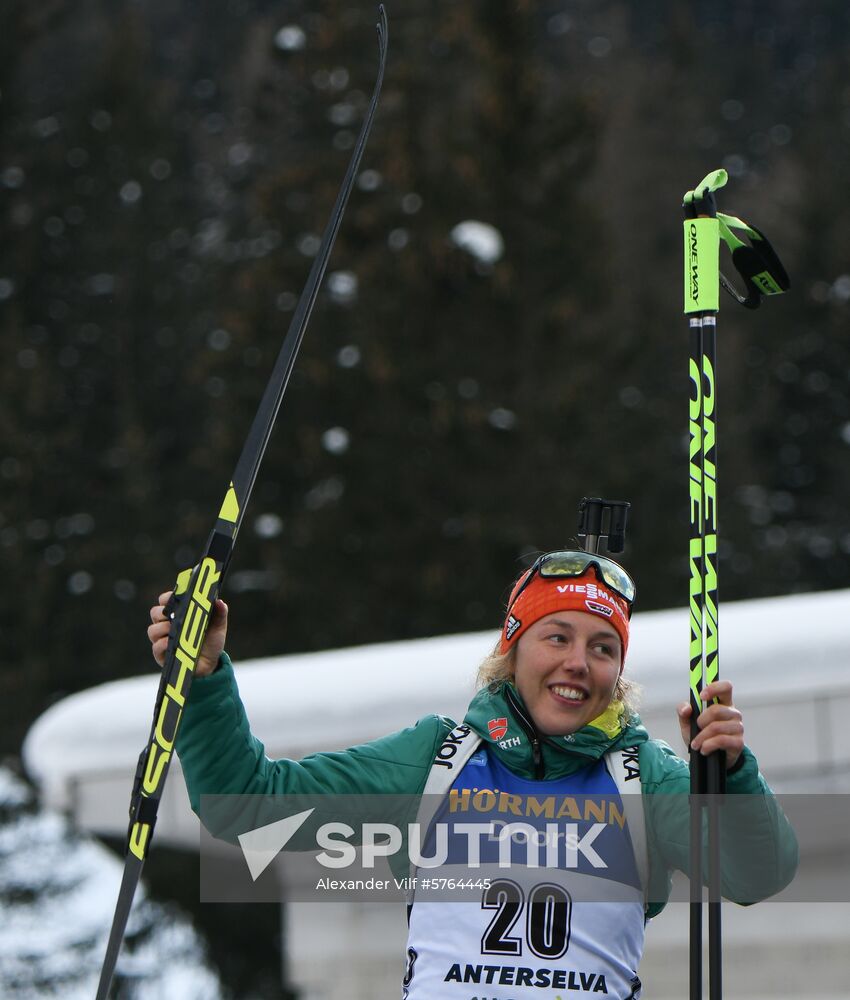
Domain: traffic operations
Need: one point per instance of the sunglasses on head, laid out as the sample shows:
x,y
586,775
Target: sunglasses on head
x,y
575,562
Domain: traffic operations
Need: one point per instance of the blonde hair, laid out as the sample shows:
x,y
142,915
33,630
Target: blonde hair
x,y
498,668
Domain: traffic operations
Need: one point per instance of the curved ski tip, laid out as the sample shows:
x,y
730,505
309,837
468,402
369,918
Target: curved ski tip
x,y
383,29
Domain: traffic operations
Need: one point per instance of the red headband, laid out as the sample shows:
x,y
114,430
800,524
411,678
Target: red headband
x,y
546,595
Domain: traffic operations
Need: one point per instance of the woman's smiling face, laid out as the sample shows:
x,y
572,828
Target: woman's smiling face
x,y
567,666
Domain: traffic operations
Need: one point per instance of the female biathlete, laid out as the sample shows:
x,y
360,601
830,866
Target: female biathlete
x,y
552,742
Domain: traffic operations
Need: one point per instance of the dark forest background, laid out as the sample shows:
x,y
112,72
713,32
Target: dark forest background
x,y
166,170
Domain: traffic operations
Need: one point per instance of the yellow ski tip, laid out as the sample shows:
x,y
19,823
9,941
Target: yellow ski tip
x,y
230,508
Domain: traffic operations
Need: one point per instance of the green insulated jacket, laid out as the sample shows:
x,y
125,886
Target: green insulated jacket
x,y
220,756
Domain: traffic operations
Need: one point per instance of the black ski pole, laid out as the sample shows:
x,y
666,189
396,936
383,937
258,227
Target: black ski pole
x,y
196,589
702,292
763,274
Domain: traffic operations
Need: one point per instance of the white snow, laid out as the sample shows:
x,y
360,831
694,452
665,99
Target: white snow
x,y
290,38
58,892
336,440
342,287
481,240
13,791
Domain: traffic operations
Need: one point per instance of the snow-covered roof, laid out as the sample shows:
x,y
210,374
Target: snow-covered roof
x,y
787,656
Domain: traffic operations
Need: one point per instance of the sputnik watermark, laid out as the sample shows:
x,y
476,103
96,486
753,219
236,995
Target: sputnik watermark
x,y
262,848
340,845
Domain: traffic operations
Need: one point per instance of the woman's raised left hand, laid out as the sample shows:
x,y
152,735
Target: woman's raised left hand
x,y
721,726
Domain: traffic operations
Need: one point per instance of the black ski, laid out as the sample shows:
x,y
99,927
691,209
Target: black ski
x,y
196,589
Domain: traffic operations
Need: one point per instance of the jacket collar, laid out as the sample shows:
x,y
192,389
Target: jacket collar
x,y
499,716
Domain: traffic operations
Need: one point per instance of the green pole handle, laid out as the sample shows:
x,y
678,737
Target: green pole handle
x,y
702,245
702,265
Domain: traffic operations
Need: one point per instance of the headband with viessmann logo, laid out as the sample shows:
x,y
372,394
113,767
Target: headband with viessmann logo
x,y
535,595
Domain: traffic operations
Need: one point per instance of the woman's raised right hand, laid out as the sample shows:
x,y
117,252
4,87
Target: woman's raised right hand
x,y
160,628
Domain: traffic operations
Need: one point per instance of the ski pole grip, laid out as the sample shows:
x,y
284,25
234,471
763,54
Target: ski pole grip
x,y
702,265
700,201
711,182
